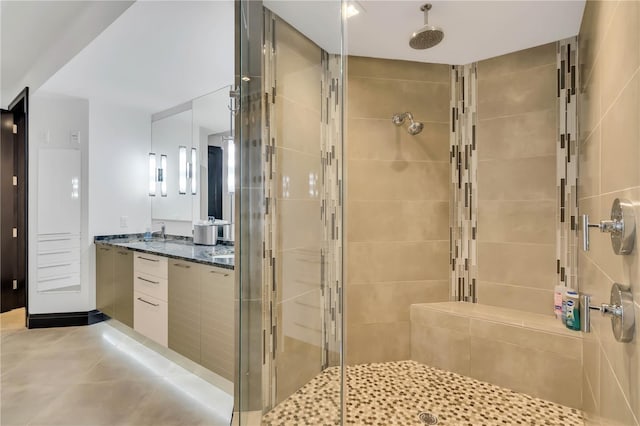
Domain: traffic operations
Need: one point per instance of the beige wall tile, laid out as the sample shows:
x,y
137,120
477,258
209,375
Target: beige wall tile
x,y
390,302
595,21
589,101
589,166
518,136
546,375
424,315
530,265
298,127
380,342
398,70
397,261
298,70
517,93
614,407
441,348
398,180
297,362
591,362
519,61
517,221
516,297
378,98
558,344
298,272
298,175
620,134
378,221
299,224
517,179
380,139
619,62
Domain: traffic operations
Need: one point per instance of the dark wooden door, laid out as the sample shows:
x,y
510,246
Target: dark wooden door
x,y
13,201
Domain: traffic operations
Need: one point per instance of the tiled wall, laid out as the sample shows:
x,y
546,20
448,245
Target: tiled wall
x,y
397,203
516,136
609,113
298,225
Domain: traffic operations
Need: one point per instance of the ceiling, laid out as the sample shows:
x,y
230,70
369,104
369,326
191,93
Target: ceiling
x,y
38,37
474,30
156,55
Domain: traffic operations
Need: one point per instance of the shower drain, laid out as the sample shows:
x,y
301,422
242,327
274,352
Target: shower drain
x,y
428,418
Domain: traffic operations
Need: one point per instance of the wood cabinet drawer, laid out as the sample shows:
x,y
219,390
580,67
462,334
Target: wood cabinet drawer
x,y
150,285
150,264
150,317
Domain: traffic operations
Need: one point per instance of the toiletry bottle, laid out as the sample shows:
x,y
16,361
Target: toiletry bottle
x,y
573,310
147,234
564,306
557,301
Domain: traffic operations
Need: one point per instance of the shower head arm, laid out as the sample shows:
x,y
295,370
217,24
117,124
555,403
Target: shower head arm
x,y
426,8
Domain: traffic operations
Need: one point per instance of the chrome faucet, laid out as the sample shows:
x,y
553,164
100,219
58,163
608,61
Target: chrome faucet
x,y
161,232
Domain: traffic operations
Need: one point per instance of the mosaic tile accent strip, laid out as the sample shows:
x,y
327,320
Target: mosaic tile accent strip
x,y
567,160
464,178
395,393
331,208
269,297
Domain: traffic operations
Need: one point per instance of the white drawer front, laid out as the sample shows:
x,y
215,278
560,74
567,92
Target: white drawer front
x,y
50,243
63,283
55,257
150,265
151,285
58,270
151,317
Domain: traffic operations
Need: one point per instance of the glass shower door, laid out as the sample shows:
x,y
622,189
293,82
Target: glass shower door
x,y
289,213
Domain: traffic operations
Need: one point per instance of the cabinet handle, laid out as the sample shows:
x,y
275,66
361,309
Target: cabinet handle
x,y
148,303
219,273
104,248
146,258
149,281
124,253
180,265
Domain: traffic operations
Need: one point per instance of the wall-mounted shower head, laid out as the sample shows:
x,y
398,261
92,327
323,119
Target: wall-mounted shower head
x,y
427,36
414,128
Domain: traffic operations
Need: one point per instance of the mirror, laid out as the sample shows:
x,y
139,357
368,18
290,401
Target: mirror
x,y
205,125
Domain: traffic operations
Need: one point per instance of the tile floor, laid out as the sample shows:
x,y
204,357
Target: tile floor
x,y
101,375
395,393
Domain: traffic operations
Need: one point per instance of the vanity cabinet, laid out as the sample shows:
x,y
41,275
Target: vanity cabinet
x,y
150,288
184,308
104,280
201,315
123,286
217,311
114,283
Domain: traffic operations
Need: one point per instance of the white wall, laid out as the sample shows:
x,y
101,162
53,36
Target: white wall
x,y
118,169
52,119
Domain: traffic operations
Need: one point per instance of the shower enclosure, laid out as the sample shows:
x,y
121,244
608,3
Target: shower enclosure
x,y
289,215
458,185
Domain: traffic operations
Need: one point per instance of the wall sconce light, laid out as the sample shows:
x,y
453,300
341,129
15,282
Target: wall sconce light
x,y
157,175
162,175
152,174
194,169
182,169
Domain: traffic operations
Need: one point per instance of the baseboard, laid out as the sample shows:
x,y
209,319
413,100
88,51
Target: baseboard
x,y
65,319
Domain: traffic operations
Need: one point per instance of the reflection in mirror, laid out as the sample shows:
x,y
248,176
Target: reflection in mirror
x,y
196,137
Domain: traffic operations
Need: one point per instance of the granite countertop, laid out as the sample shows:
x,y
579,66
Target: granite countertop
x,y
174,247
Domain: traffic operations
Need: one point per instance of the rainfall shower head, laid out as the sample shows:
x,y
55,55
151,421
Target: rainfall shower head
x,y
414,128
427,36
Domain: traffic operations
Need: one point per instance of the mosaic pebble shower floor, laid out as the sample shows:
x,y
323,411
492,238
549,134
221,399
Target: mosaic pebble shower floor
x,y
395,393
